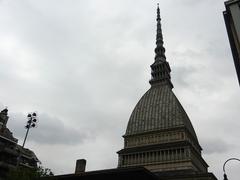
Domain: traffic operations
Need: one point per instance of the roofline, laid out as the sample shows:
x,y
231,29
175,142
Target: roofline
x,y
8,139
187,176
106,171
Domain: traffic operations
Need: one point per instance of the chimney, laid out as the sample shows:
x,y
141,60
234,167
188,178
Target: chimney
x,y
80,166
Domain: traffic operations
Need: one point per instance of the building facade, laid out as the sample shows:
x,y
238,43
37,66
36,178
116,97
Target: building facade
x,y
12,154
159,135
232,21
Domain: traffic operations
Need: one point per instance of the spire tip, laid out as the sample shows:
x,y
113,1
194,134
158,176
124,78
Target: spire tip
x,y
158,12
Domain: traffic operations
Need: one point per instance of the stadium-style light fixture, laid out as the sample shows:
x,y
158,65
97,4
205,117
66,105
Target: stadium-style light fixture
x,y
31,123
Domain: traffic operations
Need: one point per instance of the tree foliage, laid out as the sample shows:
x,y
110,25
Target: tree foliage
x,y
22,173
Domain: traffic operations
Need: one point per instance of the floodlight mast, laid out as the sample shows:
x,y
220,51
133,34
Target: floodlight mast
x,y
31,123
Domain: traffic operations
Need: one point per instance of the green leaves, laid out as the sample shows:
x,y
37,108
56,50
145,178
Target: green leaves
x,y
22,173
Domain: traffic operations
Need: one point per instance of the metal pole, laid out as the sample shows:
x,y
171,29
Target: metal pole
x,y
25,137
30,123
19,156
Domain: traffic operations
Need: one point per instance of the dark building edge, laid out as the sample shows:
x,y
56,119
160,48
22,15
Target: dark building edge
x,y
131,173
227,19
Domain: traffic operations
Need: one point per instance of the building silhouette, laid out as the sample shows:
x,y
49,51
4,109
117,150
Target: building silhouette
x,y
11,153
232,21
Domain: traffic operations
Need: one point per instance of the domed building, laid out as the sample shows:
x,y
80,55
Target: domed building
x,y
160,135
160,142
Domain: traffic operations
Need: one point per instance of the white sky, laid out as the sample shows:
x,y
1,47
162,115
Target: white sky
x,y
84,64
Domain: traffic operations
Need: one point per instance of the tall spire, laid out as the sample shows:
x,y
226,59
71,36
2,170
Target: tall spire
x,y
159,50
160,68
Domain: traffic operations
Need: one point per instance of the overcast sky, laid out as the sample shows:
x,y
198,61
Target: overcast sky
x,y
84,64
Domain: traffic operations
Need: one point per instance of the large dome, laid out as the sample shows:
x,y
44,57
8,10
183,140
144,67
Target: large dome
x,y
159,135
158,109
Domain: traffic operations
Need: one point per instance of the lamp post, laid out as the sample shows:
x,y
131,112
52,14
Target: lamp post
x,y
31,123
225,175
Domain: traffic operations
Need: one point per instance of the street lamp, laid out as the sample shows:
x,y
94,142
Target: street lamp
x,y
31,123
225,175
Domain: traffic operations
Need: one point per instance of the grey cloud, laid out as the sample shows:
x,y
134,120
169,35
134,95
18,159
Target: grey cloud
x,y
212,146
182,75
84,65
49,130
1,106
192,2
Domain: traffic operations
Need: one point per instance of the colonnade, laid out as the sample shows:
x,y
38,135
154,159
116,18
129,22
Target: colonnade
x,y
155,156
